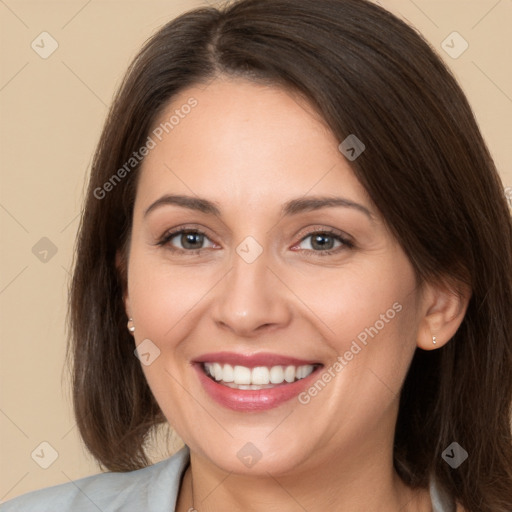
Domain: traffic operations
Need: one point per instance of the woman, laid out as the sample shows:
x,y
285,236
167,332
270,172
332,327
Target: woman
x,y
295,250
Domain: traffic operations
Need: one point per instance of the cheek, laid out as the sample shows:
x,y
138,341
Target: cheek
x,y
162,299
371,321
362,302
384,333
367,315
162,296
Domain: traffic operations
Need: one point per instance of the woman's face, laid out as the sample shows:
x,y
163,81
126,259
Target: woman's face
x,y
287,268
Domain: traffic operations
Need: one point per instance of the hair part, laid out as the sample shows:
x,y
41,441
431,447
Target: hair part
x,y
426,168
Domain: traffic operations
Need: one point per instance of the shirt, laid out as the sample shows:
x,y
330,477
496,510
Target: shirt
x,y
151,489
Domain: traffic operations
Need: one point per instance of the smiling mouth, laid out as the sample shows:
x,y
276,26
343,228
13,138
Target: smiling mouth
x,y
259,377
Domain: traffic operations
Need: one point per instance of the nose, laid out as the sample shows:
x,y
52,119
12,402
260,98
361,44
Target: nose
x,y
251,299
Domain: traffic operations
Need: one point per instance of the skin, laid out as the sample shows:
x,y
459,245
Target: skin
x,y
250,148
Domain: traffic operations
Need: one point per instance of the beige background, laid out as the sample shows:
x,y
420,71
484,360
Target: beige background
x,y
52,111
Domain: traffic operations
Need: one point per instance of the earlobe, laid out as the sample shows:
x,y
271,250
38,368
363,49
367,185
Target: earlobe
x,y
444,310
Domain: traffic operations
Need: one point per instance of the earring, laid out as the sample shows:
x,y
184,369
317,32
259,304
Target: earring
x,y
130,325
434,340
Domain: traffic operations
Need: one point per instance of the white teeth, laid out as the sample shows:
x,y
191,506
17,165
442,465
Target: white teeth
x,y
228,374
217,371
276,374
260,375
289,374
242,377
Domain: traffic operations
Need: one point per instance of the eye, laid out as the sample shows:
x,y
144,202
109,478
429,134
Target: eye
x,y
185,240
191,241
324,242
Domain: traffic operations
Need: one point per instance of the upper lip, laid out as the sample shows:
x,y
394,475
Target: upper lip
x,y
253,360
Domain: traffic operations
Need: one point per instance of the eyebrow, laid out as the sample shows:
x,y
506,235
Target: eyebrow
x,y
292,207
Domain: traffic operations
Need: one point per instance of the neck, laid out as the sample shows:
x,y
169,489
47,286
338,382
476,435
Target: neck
x,y
369,483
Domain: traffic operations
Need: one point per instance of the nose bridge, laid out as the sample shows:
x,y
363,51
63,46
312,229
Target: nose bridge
x,y
251,296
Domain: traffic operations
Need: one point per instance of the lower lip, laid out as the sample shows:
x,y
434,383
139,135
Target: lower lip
x,y
253,399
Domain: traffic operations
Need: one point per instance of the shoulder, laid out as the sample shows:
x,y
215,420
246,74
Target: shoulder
x,y
153,488
442,501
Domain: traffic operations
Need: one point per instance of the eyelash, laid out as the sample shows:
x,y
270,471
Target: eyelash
x,y
167,237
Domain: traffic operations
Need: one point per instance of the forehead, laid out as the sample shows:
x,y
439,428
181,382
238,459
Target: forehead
x,y
245,142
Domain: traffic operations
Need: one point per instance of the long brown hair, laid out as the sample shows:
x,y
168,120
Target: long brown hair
x,y
427,170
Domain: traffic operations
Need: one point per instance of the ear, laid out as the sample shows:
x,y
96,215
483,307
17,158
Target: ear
x,y
444,307
122,269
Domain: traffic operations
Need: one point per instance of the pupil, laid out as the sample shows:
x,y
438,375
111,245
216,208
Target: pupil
x,y
189,239
320,241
